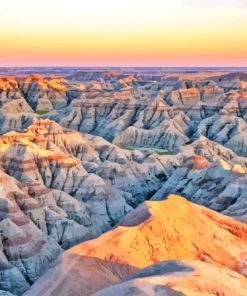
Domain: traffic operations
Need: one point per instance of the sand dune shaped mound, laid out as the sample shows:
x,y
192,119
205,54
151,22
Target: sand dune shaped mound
x,y
172,229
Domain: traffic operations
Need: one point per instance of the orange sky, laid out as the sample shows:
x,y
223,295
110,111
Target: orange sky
x,y
129,33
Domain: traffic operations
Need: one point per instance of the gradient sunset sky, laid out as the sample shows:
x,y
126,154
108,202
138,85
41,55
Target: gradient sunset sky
x,y
123,33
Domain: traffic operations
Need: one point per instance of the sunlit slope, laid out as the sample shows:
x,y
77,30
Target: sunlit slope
x,y
172,229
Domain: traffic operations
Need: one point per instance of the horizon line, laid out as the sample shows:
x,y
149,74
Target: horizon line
x,y
52,66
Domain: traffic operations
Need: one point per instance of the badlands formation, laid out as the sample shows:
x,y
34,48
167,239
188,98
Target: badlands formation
x,y
159,233
123,183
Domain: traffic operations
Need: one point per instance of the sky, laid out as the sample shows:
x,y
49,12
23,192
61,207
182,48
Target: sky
x,y
123,33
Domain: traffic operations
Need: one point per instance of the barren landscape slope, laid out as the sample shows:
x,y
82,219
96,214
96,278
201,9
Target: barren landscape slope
x,y
156,231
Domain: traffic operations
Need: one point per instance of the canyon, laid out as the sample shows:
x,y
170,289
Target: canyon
x,y
138,179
